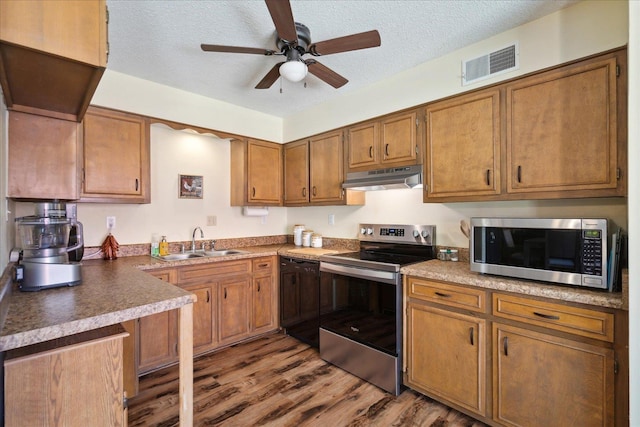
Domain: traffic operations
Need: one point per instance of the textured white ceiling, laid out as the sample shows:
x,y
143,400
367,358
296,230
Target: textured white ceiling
x,y
159,40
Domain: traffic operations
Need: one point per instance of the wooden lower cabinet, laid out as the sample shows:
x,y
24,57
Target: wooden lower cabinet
x,y
544,380
515,360
434,336
71,381
235,300
233,309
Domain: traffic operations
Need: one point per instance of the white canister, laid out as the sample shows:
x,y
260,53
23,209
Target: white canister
x,y
316,240
297,234
306,238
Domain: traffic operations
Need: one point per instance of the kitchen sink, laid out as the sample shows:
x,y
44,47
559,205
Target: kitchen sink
x,y
192,255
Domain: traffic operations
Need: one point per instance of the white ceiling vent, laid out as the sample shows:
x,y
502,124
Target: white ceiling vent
x,y
485,66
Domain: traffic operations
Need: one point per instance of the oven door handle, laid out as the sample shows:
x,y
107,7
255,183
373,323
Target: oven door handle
x,y
378,276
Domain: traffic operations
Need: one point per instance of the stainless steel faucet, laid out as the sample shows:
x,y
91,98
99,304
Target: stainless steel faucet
x,y
193,238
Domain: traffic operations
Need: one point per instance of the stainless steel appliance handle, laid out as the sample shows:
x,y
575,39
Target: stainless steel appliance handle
x,y
362,273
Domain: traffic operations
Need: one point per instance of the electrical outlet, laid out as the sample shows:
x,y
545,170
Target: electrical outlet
x,y
111,222
212,220
332,219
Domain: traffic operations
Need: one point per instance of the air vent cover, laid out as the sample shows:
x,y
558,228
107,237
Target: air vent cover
x,y
485,66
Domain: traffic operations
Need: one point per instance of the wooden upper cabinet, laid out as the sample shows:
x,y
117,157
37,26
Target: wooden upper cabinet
x,y
52,55
296,172
116,157
256,173
43,157
463,147
314,172
326,168
562,130
386,142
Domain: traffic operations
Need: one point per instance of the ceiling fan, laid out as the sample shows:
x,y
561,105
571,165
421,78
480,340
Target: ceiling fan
x,y
294,40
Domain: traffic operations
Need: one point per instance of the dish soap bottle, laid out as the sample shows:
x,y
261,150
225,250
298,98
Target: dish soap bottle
x,y
164,246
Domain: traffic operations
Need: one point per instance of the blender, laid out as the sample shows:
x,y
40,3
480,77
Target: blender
x,y
44,248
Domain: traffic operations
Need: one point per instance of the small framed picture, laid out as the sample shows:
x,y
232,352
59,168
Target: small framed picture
x,y
190,186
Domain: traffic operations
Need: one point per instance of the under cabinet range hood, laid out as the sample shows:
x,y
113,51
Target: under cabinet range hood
x,y
385,179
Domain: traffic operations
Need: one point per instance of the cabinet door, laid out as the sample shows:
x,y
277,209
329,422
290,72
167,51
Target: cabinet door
x,y
116,157
69,29
562,130
43,157
545,380
362,145
326,168
399,139
263,314
446,356
463,146
233,311
296,173
264,172
204,331
157,341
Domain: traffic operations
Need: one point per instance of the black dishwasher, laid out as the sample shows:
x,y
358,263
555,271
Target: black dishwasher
x,y
300,299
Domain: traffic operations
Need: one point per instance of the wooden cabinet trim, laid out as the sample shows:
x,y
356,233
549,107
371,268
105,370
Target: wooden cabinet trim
x,y
580,321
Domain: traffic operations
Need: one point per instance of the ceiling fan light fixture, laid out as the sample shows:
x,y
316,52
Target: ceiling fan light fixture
x,y
294,71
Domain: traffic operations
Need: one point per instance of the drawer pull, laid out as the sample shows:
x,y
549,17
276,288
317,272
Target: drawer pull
x,y
505,345
443,295
263,265
471,335
546,316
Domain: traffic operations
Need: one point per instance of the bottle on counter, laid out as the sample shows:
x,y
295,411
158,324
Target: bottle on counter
x,y
164,246
155,245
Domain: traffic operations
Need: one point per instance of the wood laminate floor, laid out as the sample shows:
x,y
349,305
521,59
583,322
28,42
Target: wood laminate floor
x,y
278,381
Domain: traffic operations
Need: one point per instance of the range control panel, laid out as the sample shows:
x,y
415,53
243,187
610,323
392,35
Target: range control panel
x,y
400,233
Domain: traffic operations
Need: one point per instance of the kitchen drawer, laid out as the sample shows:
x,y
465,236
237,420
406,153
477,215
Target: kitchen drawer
x,y
580,321
263,265
169,275
447,294
204,272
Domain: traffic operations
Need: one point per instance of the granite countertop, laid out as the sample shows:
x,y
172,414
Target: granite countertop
x,y
111,292
459,272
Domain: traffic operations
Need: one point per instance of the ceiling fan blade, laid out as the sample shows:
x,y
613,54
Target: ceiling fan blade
x,y
270,78
325,74
344,44
282,16
235,49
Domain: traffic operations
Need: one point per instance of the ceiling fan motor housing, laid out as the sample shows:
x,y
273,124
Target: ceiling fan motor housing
x,y
303,42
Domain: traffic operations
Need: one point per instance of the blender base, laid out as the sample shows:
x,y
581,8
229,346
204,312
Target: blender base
x,y
38,276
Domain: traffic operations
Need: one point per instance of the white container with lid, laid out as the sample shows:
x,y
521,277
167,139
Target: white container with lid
x,y
297,234
316,240
306,238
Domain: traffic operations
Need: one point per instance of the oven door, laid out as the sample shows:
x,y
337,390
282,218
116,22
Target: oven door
x,y
361,323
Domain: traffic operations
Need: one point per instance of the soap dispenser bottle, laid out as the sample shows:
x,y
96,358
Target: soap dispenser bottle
x,y
164,246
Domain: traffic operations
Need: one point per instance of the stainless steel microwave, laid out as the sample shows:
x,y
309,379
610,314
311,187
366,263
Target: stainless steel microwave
x,y
564,251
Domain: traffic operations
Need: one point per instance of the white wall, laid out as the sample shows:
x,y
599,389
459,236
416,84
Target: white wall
x,y
634,210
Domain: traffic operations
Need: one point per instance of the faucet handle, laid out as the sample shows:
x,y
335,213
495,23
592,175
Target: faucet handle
x,y
213,244
203,246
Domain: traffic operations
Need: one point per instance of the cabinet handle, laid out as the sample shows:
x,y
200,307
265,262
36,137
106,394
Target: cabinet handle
x,y
488,176
371,151
519,173
505,345
304,191
386,150
136,184
314,191
225,293
546,316
253,192
471,335
258,286
443,295
175,348
208,295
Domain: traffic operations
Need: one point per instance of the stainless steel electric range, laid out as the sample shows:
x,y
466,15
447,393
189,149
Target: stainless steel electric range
x,y
361,301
